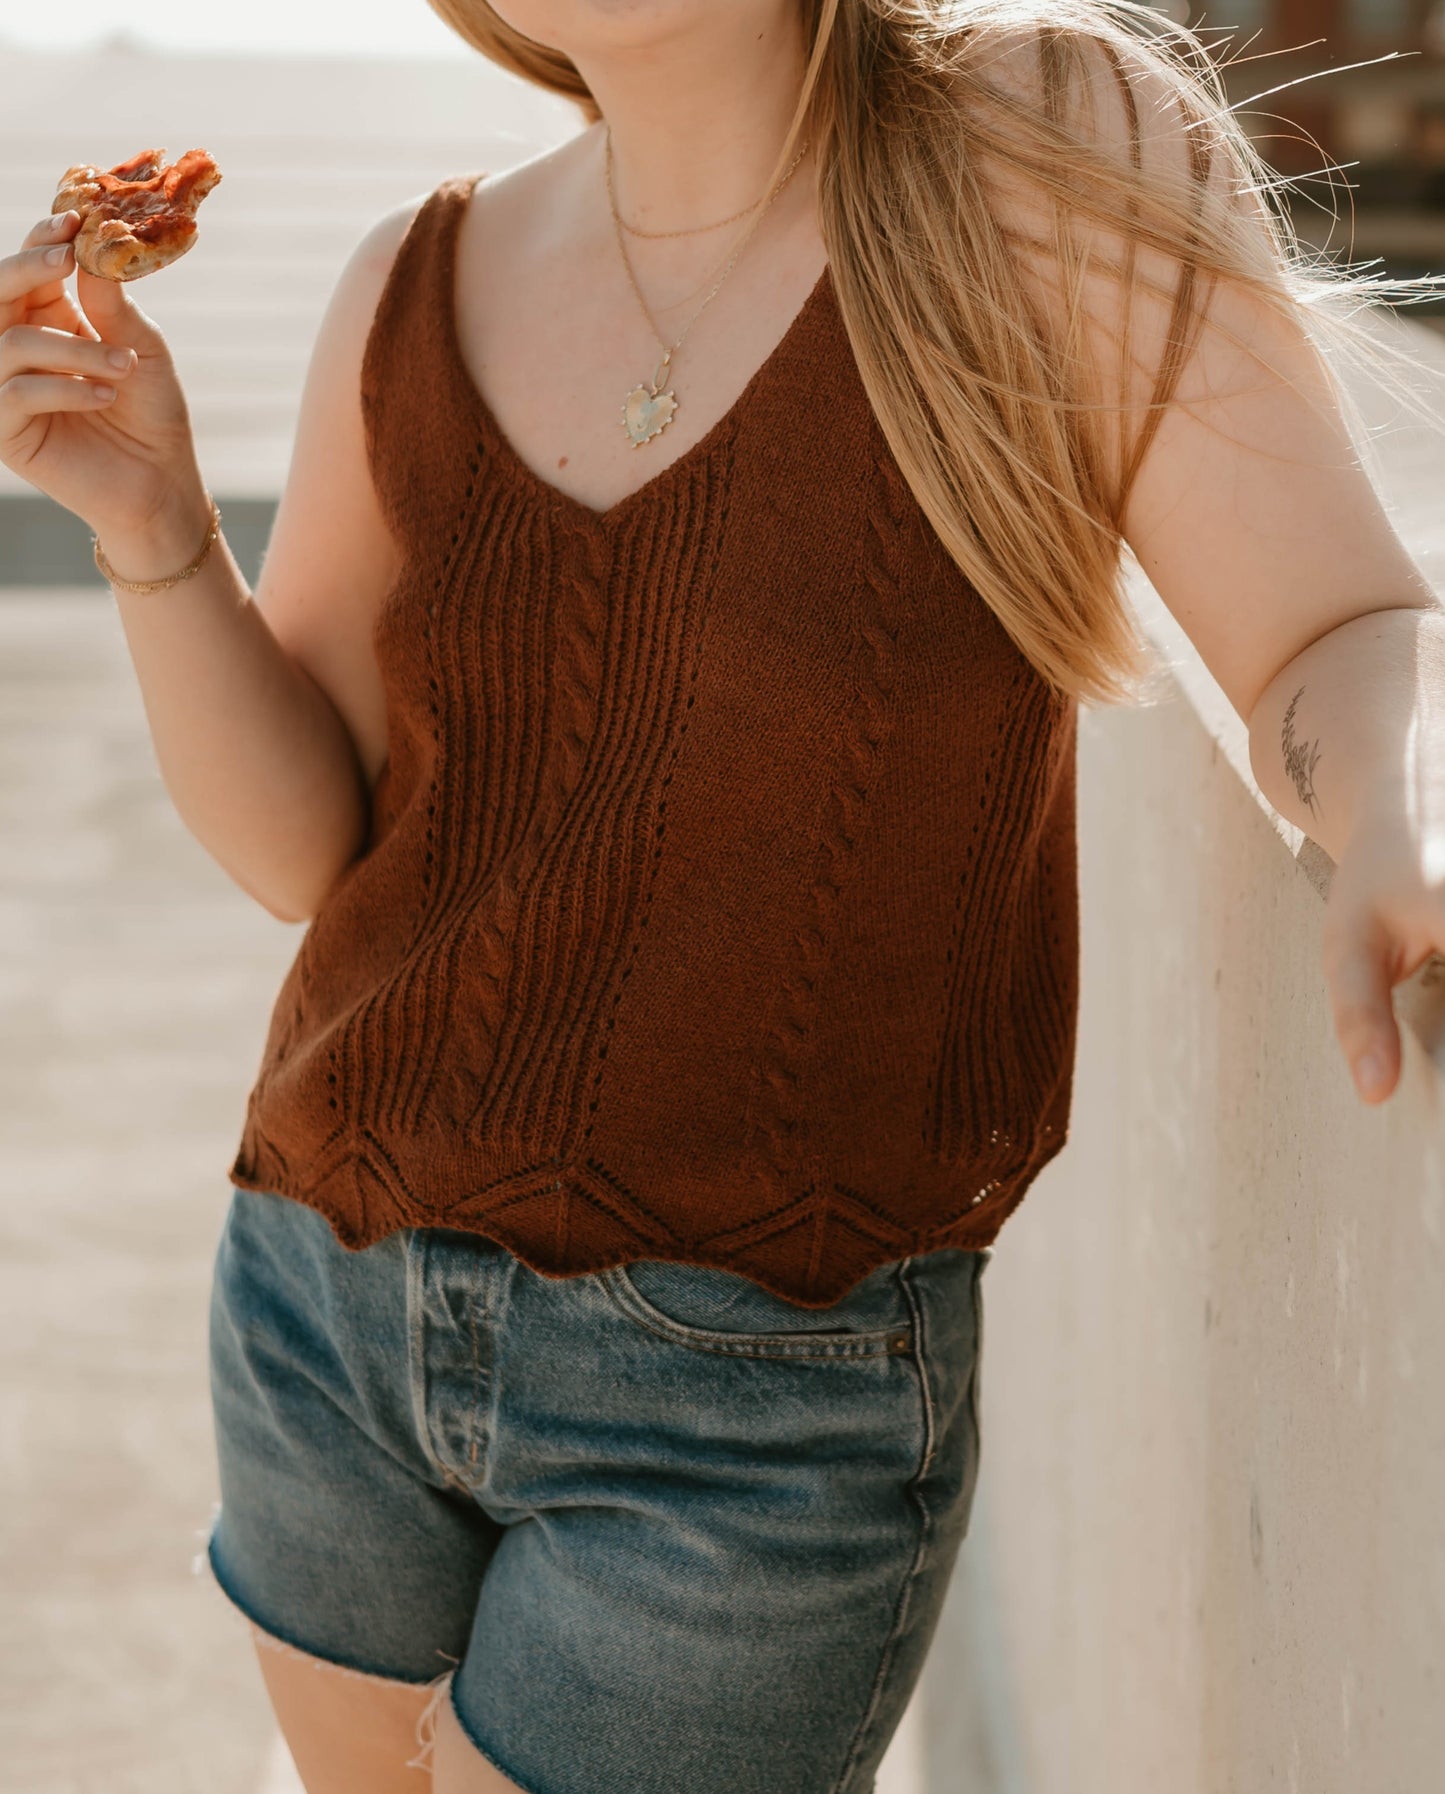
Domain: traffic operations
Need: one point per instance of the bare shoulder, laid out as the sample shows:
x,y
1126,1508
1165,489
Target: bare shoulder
x,y
526,209
1121,94
331,559
1147,107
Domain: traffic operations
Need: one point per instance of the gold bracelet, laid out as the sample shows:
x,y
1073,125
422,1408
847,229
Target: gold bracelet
x,y
160,585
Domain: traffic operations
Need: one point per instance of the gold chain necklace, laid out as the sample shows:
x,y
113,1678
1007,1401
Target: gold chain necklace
x,y
647,410
693,230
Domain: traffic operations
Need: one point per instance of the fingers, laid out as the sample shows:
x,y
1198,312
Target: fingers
x,y
1359,969
31,268
33,349
28,395
51,370
57,227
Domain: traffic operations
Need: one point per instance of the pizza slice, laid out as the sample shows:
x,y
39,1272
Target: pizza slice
x,y
137,216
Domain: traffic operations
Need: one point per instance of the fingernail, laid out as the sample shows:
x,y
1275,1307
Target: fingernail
x,y
1370,1073
57,221
118,358
58,254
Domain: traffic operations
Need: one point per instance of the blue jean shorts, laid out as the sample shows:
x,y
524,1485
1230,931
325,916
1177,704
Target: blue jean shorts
x,y
652,1528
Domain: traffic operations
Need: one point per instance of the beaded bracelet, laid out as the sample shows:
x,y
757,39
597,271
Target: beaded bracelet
x,y
160,585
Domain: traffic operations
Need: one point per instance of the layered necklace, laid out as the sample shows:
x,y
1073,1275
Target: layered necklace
x,y
649,409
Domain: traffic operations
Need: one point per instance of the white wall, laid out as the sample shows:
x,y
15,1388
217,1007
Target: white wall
x,y
1207,1551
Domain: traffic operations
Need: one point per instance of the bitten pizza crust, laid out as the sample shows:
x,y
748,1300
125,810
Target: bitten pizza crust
x,y
137,216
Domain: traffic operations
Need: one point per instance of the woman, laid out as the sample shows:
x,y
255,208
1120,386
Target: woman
x,y
670,743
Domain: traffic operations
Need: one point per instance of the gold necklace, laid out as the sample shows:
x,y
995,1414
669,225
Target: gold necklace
x,y
693,230
648,410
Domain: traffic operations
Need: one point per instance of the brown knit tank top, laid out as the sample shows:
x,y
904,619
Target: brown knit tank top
x,y
720,902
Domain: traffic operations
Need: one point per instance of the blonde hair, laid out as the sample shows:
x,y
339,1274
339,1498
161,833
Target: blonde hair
x,y
960,148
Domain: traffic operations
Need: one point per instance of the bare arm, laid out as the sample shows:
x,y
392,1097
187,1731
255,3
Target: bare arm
x,y
1256,519
253,753
252,700
1353,723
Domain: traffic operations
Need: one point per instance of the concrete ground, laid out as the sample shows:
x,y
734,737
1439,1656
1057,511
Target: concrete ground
x,y
137,980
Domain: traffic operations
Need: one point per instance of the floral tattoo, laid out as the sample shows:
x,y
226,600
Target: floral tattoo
x,y
1300,757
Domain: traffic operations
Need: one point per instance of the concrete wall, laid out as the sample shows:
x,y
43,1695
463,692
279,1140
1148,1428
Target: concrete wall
x,y
1207,1552
1214,1441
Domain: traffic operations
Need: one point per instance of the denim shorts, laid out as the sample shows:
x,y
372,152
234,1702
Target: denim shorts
x,y
650,1528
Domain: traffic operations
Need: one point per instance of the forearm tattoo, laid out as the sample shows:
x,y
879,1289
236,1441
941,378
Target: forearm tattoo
x,y
1300,757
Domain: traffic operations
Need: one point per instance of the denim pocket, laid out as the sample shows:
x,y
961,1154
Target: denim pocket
x,y
713,1310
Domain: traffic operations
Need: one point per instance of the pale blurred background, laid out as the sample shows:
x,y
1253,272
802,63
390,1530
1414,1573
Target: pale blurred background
x,y
313,146
137,979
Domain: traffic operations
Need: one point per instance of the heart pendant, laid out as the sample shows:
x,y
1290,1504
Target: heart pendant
x,y
646,413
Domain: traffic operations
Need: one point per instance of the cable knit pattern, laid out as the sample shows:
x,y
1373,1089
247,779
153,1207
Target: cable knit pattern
x,y
719,903
780,1142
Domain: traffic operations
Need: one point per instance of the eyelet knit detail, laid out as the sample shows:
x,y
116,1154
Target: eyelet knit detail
x,y
719,902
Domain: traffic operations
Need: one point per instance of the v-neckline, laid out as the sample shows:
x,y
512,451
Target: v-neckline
x,y
505,456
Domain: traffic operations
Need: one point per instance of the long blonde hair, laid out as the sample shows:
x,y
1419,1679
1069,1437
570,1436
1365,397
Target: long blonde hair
x,y
942,125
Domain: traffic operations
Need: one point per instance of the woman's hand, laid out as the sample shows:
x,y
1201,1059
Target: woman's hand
x,y
1385,916
114,462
